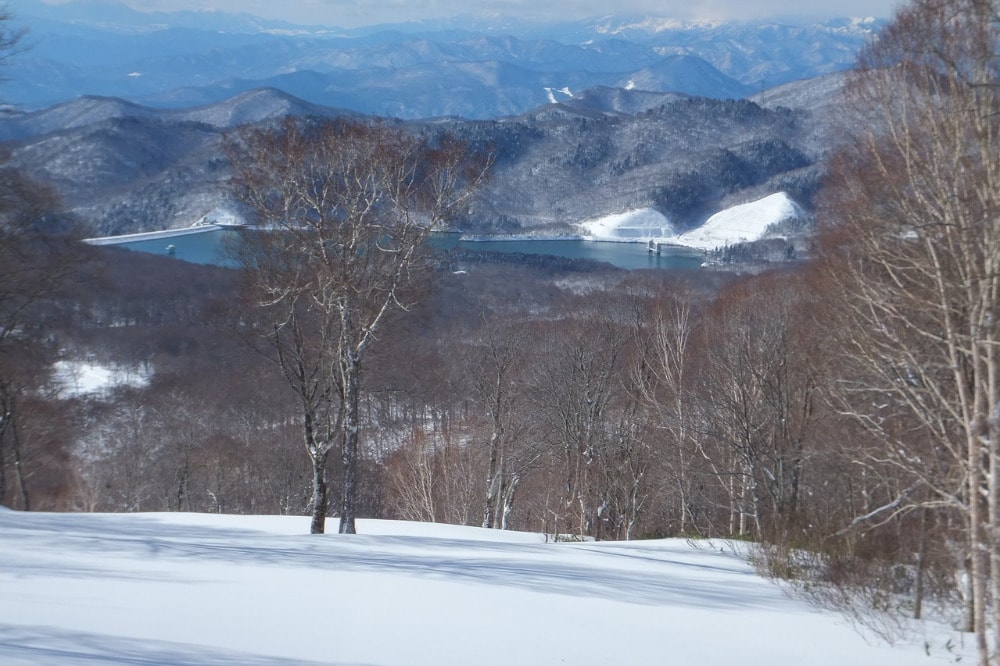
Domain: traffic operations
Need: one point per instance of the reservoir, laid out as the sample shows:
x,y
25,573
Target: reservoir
x,y
197,245
631,256
205,245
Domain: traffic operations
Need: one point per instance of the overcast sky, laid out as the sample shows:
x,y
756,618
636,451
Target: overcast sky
x,y
353,13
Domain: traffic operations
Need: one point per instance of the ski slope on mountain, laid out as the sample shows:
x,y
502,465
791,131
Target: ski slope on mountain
x,y
185,589
739,224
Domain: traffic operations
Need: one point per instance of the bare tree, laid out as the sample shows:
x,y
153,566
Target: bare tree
x,y
35,265
662,378
348,205
496,367
580,391
760,390
31,265
916,196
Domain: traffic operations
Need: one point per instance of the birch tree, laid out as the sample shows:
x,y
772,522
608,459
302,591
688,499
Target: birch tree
x,y
580,389
499,386
348,205
662,379
915,196
759,387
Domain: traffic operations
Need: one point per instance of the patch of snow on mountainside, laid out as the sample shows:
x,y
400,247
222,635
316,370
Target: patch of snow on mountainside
x,y
73,379
551,93
634,225
747,222
740,224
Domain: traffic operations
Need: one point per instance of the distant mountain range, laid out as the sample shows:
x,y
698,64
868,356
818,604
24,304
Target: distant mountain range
x,y
123,112
460,68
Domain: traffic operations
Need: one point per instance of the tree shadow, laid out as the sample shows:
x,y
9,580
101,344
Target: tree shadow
x,y
665,575
50,646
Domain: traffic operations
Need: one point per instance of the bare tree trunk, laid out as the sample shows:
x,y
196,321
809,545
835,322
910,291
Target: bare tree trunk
x,y
19,474
918,592
6,421
352,426
733,504
993,534
318,454
3,458
493,476
978,586
510,489
320,501
183,474
968,597
993,452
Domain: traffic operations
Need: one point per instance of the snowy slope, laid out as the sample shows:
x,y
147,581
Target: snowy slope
x,y
639,224
747,222
739,224
172,589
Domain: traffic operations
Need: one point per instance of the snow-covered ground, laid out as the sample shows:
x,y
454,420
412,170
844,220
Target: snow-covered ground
x,y
185,589
747,222
79,378
641,224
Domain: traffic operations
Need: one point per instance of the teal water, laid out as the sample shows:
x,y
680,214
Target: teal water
x,y
631,256
203,247
207,247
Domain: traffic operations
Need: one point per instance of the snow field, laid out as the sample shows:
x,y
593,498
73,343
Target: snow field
x,y
207,589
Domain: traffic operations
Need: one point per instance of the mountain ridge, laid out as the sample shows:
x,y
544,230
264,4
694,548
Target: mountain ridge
x,y
477,69
121,167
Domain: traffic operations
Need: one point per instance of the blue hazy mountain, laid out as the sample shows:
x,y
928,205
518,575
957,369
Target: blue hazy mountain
x,y
458,67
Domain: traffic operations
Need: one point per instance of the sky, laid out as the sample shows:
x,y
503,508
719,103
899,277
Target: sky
x,y
356,13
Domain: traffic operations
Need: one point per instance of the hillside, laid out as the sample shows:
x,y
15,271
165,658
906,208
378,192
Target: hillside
x,y
687,157
122,167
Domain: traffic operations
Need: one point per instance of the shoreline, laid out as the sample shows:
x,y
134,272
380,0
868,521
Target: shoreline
x,y
155,235
670,242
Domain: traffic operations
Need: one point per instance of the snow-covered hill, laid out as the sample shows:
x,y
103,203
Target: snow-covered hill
x,y
186,589
739,224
